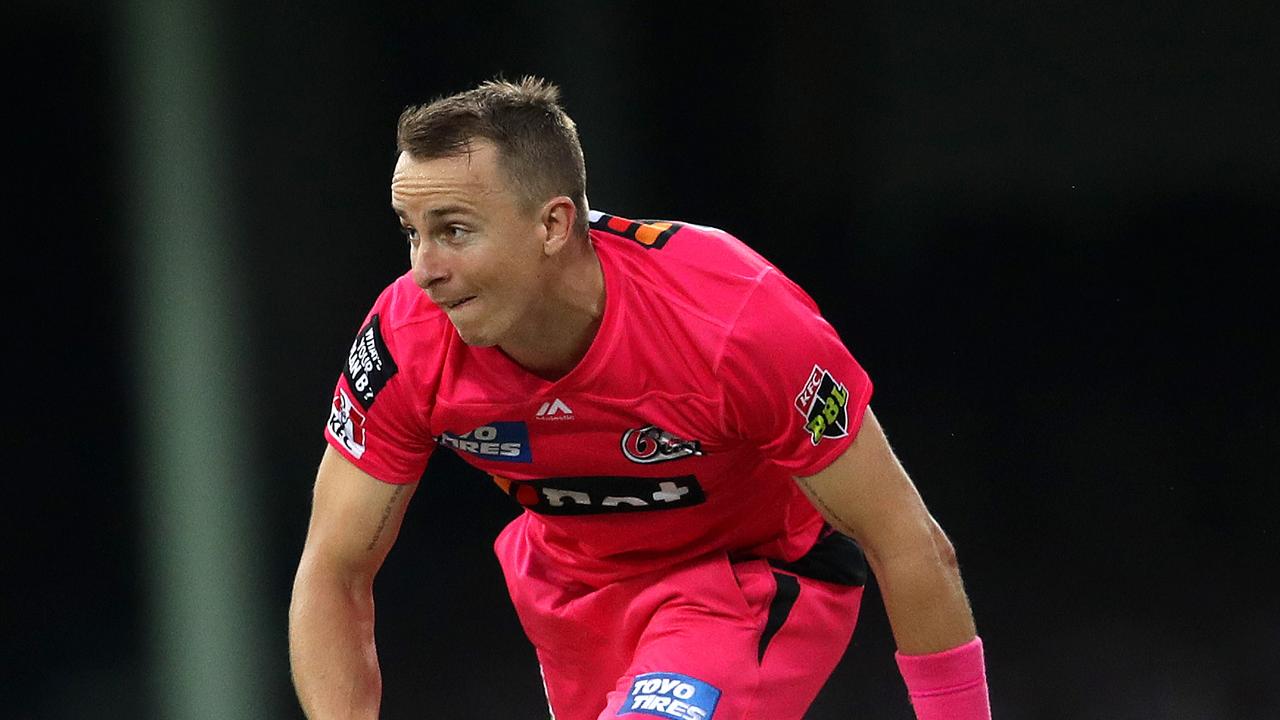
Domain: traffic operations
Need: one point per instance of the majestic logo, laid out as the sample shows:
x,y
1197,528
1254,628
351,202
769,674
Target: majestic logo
x,y
651,444
595,495
824,404
346,424
369,364
672,696
505,441
555,410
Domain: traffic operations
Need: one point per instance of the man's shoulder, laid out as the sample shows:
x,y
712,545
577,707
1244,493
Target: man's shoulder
x,y
695,270
705,269
680,244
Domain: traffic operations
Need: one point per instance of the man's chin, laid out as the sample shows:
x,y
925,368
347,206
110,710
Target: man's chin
x,y
474,339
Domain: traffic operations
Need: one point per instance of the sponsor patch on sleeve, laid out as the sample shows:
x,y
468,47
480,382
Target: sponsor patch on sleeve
x,y
346,424
369,364
670,695
824,403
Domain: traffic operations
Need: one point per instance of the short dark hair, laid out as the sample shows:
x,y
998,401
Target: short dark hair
x,y
537,142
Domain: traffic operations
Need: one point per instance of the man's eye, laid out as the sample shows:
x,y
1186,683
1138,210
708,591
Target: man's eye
x,y
409,233
454,232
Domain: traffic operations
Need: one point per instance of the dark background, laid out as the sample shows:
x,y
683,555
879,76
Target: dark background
x,y
1047,230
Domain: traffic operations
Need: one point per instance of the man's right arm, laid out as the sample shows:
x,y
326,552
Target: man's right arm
x,y
354,521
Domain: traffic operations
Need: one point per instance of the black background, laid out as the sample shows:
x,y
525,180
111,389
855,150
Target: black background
x,y
1047,230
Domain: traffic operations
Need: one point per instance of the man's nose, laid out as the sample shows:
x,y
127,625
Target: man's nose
x,y
429,268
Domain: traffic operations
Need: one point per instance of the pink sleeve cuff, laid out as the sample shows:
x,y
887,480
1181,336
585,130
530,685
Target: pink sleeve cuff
x,y
951,684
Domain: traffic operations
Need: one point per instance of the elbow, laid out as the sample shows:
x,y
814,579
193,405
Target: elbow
x,y
926,548
943,549
323,582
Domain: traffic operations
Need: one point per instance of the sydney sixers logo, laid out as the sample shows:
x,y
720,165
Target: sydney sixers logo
x,y
651,444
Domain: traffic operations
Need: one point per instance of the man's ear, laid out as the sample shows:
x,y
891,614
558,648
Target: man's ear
x,y
558,217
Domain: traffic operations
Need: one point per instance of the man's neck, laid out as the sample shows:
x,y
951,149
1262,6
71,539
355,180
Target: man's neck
x,y
555,339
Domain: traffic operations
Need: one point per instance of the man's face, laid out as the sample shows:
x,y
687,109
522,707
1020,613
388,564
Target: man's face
x,y
473,246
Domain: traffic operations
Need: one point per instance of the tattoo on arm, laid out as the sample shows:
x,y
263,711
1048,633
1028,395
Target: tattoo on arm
x,y
386,513
843,525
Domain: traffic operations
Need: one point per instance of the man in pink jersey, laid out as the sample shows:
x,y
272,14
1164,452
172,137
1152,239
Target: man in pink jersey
x,y
700,471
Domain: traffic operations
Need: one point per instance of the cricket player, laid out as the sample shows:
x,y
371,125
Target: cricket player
x,y
704,485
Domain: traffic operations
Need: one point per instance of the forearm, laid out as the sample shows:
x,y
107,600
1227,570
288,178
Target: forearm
x,y
925,599
939,653
867,495
331,647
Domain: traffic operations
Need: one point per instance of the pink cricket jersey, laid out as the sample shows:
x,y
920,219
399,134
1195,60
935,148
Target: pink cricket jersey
x,y
712,382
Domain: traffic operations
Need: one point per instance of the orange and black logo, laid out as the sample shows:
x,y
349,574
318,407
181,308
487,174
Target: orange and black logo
x,y
652,234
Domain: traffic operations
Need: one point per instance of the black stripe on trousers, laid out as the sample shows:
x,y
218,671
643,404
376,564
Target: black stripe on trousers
x,y
783,600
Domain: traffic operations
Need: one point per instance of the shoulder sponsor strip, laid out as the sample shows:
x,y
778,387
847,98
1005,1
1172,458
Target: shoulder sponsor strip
x,y
369,364
652,234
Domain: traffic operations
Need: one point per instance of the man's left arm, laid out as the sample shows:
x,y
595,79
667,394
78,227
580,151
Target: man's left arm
x,y
867,495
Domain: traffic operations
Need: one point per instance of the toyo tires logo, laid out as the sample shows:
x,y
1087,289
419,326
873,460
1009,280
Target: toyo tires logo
x,y
672,696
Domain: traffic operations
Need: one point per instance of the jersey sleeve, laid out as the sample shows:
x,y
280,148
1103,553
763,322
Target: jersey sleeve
x,y
373,420
791,386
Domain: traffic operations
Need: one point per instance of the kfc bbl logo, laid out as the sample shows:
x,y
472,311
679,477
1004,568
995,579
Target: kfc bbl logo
x,y
824,403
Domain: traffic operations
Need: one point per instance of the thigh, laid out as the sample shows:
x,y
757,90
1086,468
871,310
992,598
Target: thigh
x,y
806,646
696,658
575,630
673,639
753,642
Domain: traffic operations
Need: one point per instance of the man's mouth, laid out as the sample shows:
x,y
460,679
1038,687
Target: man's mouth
x,y
457,303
